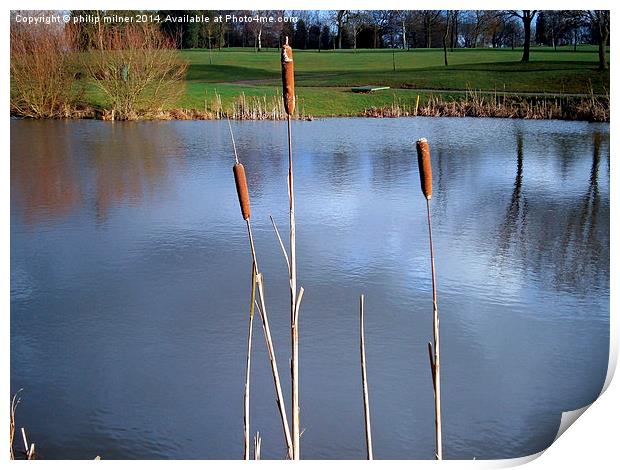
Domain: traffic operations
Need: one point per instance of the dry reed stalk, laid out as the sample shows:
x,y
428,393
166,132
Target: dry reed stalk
x,y
272,359
288,96
258,108
246,393
244,202
14,402
25,440
426,182
29,450
257,281
369,453
217,105
257,445
479,104
275,227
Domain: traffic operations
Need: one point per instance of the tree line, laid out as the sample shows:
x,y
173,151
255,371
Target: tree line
x,y
397,29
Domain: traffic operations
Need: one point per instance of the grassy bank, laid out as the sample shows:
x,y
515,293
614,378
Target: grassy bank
x,y
548,71
246,84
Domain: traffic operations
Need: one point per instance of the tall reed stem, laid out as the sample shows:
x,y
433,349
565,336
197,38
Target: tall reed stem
x,y
248,363
435,364
257,446
270,349
294,313
288,96
426,183
14,402
257,281
365,382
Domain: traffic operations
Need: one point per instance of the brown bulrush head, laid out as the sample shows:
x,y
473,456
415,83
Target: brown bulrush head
x,y
242,190
288,79
424,165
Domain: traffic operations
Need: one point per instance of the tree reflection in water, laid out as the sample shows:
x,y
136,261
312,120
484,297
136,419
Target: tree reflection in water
x,y
583,254
126,161
45,179
130,164
567,246
515,218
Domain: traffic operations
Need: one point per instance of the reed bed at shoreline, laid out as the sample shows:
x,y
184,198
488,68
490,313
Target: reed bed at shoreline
x,y
477,104
593,108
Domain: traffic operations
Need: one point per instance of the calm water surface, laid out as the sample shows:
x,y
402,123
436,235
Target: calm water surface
x,y
130,279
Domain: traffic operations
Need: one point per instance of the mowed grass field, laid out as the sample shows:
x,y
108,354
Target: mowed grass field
x,y
324,80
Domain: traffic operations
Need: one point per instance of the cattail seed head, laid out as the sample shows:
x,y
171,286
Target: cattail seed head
x,y
288,79
424,166
242,190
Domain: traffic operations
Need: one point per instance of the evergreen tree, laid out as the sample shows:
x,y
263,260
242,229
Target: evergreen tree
x,y
326,37
300,38
541,36
313,36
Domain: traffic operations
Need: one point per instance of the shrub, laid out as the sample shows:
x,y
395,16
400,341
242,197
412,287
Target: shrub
x,y
43,71
137,69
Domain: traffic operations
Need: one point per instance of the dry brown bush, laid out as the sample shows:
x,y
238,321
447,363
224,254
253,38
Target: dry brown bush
x,y
137,69
43,70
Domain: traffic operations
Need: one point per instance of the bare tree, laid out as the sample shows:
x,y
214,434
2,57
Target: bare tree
x,y
598,21
380,20
257,30
221,28
356,19
573,21
428,18
341,18
454,29
403,16
208,30
556,21
526,16
497,30
449,24
478,26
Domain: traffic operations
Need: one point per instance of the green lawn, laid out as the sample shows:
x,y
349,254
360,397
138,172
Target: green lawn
x,y
323,80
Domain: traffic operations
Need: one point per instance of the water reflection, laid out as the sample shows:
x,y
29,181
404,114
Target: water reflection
x,y
130,163
59,173
514,221
128,253
261,157
567,244
45,177
344,159
585,247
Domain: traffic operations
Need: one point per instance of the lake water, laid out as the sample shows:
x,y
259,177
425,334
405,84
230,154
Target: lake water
x,y
130,280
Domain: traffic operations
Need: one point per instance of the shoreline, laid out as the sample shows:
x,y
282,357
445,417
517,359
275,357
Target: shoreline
x,y
451,109
474,103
